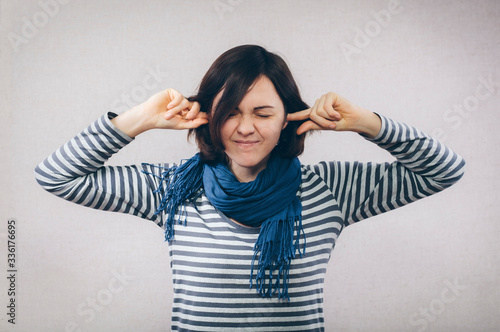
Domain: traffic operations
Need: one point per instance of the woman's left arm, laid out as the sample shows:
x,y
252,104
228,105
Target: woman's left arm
x,y
424,166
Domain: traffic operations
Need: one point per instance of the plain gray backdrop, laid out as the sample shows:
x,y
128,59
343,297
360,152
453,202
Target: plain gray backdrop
x,y
430,266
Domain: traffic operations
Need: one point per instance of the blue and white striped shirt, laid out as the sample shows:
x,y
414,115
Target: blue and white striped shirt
x,y
211,255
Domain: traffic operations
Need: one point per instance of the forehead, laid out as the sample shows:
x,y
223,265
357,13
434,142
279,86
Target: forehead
x,y
261,92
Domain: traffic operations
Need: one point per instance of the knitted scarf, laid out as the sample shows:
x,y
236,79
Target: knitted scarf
x,y
268,202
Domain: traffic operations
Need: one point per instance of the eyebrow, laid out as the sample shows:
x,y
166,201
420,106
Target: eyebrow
x,y
259,107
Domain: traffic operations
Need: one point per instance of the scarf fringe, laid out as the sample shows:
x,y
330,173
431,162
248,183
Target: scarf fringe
x,y
178,183
276,255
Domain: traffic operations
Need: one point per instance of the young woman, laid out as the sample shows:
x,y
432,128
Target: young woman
x,y
250,229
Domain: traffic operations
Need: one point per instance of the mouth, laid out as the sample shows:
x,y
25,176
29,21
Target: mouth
x,y
246,143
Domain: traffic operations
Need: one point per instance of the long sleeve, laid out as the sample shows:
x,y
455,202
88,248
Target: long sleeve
x,y
423,166
76,172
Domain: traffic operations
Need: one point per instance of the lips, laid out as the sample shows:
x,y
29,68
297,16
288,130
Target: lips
x,y
246,143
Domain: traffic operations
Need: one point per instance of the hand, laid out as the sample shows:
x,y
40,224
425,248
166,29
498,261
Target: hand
x,y
333,112
167,109
170,110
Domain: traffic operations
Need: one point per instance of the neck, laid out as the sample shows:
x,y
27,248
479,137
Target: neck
x,y
244,175
247,174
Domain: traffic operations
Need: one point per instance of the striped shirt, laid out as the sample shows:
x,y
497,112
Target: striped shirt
x,y
211,255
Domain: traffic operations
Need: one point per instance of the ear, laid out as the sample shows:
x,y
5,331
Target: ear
x,y
284,125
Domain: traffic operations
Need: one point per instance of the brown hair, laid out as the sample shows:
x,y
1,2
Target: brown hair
x,y
235,71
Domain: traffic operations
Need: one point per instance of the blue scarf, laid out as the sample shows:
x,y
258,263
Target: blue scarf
x,y
268,202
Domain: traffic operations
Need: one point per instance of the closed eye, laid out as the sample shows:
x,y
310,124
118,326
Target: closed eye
x,y
263,111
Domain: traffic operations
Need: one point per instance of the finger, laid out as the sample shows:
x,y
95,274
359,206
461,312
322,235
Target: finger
x,y
325,109
185,116
314,109
330,101
319,115
300,115
199,122
194,109
183,105
321,121
195,123
202,115
306,126
177,98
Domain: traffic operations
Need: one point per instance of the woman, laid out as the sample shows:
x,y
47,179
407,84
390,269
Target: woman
x,y
250,229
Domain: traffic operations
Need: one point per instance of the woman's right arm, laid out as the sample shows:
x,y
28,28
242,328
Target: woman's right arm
x,y
76,171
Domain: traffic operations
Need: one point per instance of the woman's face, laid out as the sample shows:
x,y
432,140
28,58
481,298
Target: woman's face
x,y
253,129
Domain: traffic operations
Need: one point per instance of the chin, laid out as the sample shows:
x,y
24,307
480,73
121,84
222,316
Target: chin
x,y
250,162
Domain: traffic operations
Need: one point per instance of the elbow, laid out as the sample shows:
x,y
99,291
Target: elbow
x,y
41,178
46,180
454,174
460,169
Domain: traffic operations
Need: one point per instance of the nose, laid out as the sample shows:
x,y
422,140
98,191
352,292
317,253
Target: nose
x,y
246,125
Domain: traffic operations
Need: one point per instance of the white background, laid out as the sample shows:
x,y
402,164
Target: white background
x,y
66,64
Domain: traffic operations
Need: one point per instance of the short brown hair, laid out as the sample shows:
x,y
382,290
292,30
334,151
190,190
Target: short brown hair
x,y
235,71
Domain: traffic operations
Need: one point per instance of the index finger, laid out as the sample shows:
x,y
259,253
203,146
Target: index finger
x,y
183,105
175,98
300,115
194,109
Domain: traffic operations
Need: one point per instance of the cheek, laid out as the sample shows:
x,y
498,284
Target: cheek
x,y
226,130
271,131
